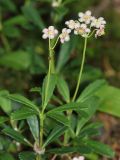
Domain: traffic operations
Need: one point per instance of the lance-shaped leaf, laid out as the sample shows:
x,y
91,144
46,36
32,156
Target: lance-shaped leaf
x,y
110,100
5,103
65,150
16,136
9,4
55,133
34,126
32,14
90,90
27,156
22,113
93,104
91,129
100,148
70,106
63,88
59,117
21,99
48,88
15,60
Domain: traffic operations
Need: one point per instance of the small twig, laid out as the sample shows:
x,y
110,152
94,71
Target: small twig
x,y
54,157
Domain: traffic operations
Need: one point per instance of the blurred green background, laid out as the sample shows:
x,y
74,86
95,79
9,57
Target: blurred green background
x,y
24,54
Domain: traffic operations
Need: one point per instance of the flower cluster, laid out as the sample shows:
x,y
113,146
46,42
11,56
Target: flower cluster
x,y
79,158
85,26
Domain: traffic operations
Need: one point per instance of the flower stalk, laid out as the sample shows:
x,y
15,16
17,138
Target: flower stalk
x,y
81,70
51,69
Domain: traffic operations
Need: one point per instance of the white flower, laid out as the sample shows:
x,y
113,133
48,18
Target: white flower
x,y
64,36
49,32
71,24
79,158
100,32
82,30
85,17
55,3
97,22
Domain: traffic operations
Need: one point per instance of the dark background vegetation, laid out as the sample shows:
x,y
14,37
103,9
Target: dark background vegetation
x,y
24,54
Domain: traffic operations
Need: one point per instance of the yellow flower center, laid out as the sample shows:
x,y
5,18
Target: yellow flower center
x,y
81,31
86,17
50,32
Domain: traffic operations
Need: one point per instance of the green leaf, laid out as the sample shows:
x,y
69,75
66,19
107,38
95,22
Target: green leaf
x,y
16,20
5,103
32,15
59,117
16,135
63,89
6,156
27,156
91,126
34,126
48,88
22,113
18,60
110,100
90,133
92,105
65,150
55,133
65,51
90,90
20,99
92,129
60,12
39,90
9,4
70,106
11,31
3,119
100,148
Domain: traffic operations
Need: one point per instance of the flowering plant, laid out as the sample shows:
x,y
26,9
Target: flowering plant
x,y
61,129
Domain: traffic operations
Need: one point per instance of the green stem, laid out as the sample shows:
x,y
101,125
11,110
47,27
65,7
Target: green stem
x,y
52,56
38,157
49,72
69,131
81,70
92,33
66,136
41,116
52,61
41,129
56,42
